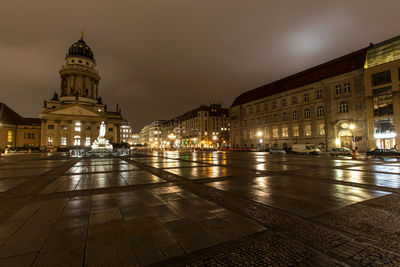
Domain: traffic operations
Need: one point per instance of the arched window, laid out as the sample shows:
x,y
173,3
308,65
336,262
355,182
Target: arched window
x,y
320,111
343,107
295,115
307,113
77,140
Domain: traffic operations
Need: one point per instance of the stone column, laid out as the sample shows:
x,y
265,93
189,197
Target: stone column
x,y
43,135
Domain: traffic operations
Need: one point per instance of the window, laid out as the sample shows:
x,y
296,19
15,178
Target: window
x,y
50,126
285,132
63,141
346,88
321,129
284,116
307,113
258,108
9,136
306,97
266,119
294,100
88,128
384,109
275,118
318,94
295,130
80,61
343,107
265,107
275,133
251,122
274,105
77,140
382,94
64,127
338,90
283,102
244,122
258,121
87,141
320,111
384,126
295,115
307,130
49,141
77,127
87,92
380,78
251,110
110,129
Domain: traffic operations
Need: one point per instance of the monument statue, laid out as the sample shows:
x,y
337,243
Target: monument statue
x,y
101,144
102,130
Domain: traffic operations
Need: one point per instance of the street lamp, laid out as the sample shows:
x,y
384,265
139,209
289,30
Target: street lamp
x,y
352,127
259,134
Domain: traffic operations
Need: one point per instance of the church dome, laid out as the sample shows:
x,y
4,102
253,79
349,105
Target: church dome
x,y
80,48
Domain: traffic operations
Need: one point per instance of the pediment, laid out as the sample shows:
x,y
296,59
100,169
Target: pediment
x,y
75,110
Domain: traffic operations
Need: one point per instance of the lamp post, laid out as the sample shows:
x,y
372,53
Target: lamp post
x,y
259,135
352,127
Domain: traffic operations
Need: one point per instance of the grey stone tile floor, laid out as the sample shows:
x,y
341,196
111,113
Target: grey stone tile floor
x,y
201,208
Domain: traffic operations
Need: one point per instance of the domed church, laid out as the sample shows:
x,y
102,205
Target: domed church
x,y
73,116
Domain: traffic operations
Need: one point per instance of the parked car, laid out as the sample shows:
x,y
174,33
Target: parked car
x,y
341,151
305,149
381,153
277,151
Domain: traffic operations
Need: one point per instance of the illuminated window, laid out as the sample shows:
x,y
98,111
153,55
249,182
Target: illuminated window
x,y
285,132
63,141
77,127
321,129
307,130
64,127
275,133
87,141
9,136
77,140
295,130
50,141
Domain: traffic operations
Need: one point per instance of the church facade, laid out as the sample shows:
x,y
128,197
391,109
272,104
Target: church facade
x,y
73,117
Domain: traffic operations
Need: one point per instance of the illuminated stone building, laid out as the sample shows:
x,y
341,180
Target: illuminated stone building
x,y
150,135
73,117
382,78
203,127
16,131
324,105
352,101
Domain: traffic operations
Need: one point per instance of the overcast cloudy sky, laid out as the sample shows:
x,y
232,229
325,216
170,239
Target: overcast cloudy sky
x,y
161,58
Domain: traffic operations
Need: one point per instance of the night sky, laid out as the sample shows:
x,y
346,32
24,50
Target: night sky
x,y
161,58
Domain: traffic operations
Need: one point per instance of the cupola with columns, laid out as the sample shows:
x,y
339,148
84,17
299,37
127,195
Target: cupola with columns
x,y
79,75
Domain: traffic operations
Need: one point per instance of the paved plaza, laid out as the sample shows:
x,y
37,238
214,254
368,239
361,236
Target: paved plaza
x,y
200,209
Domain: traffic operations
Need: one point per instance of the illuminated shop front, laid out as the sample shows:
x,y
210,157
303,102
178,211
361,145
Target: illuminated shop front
x,y
384,133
